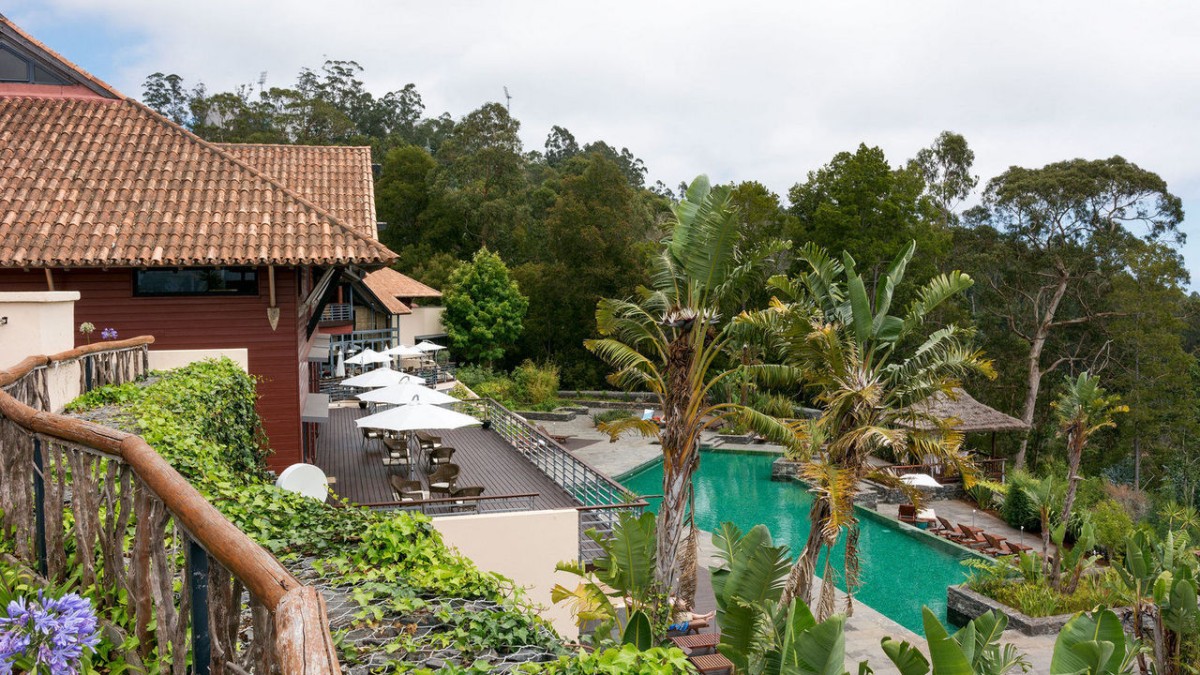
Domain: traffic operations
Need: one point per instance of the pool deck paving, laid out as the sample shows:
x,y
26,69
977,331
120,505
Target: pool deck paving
x,y
867,627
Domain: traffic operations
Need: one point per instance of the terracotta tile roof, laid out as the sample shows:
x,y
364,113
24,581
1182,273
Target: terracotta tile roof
x,y
389,286
337,178
95,182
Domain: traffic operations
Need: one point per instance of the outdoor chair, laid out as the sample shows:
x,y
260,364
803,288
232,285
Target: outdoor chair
x,y
407,490
466,505
441,482
370,435
440,456
429,441
974,536
997,546
908,514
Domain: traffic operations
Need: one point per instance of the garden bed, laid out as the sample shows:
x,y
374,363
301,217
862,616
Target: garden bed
x,y
964,604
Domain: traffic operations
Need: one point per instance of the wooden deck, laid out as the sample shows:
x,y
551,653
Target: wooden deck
x,y
483,458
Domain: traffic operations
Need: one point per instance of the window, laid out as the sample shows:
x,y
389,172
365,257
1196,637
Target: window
x,y
196,281
17,68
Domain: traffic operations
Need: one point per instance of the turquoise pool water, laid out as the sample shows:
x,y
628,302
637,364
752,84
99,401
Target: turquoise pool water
x,y
901,569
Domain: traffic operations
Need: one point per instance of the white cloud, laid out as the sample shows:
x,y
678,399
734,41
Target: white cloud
x,y
765,91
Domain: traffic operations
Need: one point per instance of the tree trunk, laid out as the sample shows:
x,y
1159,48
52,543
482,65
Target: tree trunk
x,y
800,580
681,455
1075,441
1033,380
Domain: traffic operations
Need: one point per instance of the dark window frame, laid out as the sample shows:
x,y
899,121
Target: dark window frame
x,y
246,288
32,65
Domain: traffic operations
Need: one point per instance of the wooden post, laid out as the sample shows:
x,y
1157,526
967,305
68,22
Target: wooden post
x,y
300,615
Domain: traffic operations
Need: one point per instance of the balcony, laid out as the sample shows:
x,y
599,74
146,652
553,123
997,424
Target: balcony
x,y
337,313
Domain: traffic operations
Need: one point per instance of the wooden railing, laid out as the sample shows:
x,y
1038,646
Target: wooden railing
x,y
990,469
139,528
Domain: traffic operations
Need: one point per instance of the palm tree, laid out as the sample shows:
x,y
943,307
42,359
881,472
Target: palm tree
x,y
673,341
871,372
1043,498
1082,409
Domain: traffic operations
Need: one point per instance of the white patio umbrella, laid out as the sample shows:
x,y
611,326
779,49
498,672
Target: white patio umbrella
x,y
403,394
339,370
416,416
381,377
404,352
427,346
920,480
367,356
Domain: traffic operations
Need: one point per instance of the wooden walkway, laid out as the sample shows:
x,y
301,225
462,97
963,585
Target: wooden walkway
x,y
484,458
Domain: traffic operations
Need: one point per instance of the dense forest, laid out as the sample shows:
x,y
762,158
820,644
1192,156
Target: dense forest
x,y
1076,264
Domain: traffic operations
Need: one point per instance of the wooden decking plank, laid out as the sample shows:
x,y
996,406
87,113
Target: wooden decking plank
x,y
483,457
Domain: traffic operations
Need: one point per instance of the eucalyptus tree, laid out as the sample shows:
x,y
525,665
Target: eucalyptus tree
x,y
673,340
871,372
1064,221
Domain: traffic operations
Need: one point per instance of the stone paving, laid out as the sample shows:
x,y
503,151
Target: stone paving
x,y
866,627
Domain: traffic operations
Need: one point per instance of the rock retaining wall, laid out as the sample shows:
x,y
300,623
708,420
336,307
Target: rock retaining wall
x,y
964,604
785,469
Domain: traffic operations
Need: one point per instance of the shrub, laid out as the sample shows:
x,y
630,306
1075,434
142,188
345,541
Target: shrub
x,y
460,392
610,416
1018,510
1134,501
1113,526
500,388
987,494
473,376
536,384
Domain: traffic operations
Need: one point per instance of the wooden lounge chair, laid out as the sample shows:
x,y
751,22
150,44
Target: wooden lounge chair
x,y
1018,548
466,504
997,546
406,490
441,482
696,645
711,663
908,514
949,531
974,537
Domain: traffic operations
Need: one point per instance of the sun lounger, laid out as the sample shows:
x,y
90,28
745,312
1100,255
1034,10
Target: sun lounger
x,y
996,545
973,537
908,514
949,531
697,644
711,663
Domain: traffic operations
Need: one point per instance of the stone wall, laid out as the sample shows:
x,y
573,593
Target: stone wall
x,y
891,495
785,469
964,604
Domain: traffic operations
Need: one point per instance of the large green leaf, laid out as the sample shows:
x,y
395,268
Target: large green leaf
x,y
907,658
628,563
821,650
860,306
637,631
1102,626
945,654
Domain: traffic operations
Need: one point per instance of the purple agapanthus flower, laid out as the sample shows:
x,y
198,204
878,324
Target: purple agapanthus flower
x,y
108,334
50,632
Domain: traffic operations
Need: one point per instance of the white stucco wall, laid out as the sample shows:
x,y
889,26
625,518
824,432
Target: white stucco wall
x,y
165,359
523,546
36,323
422,322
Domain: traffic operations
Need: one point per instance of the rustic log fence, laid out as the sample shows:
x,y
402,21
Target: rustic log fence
x,y
113,482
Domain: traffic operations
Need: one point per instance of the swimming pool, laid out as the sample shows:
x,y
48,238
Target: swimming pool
x,y
901,569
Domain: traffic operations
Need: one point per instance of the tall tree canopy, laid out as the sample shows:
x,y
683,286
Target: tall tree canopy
x,y
484,309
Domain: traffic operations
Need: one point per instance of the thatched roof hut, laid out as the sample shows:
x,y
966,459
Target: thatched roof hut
x,y
971,415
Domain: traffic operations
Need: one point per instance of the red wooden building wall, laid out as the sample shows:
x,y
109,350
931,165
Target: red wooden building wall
x,y
203,322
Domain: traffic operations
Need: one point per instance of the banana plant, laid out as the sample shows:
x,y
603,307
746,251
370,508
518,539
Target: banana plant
x,y
974,650
1094,644
1072,563
757,634
1161,576
618,596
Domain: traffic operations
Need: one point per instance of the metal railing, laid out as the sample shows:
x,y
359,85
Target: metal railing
x,y
602,500
457,506
337,312
143,535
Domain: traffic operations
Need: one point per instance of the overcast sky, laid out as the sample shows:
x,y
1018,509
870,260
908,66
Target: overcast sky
x,y
761,94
